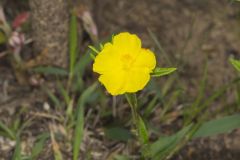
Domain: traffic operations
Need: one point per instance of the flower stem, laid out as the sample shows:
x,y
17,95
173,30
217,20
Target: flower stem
x,y
132,100
142,133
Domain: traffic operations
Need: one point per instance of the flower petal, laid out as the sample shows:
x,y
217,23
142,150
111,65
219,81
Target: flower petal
x,y
145,59
106,60
136,80
127,43
114,82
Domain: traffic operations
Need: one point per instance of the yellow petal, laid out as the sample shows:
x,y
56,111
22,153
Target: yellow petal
x,y
136,80
145,59
106,60
114,82
127,43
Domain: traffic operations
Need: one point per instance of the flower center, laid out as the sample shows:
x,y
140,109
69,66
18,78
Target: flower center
x,y
127,61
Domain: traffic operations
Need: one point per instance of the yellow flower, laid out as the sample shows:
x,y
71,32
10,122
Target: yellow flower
x,y
124,66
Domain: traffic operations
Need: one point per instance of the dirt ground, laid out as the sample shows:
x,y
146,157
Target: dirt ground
x,y
191,32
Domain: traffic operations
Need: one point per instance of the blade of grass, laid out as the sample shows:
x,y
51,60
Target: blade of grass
x,y
63,92
170,103
203,129
81,65
50,70
217,126
39,145
55,147
79,128
163,145
53,98
195,106
17,151
214,96
150,107
235,63
73,41
8,131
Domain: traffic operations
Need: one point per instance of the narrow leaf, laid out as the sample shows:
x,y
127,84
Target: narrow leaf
x,y
7,130
17,151
81,65
235,63
50,70
53,98
158,72
73,41
101,45
165,144
221,125
63,92
93,49
78,133
39,145
142,130
92,56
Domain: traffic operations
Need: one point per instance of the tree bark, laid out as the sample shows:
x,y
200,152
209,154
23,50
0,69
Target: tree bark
x,y
50,26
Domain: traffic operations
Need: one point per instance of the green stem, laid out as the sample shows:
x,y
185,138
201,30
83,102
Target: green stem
x,y
142,133
132,100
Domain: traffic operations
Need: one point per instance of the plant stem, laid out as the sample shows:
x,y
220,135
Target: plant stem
x,y
132,100
142,133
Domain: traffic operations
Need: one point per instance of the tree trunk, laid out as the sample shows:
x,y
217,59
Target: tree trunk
x,y
50,25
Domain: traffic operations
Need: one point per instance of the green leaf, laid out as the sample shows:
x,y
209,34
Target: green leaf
x,y
50,70
53,98
73,41
221,125
118,133
165,144
81,65
63,92
7,131
158,72
101,46
235,63
17,151
142,130
38,147
132,100
78,133
92,56
150,107
93,49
